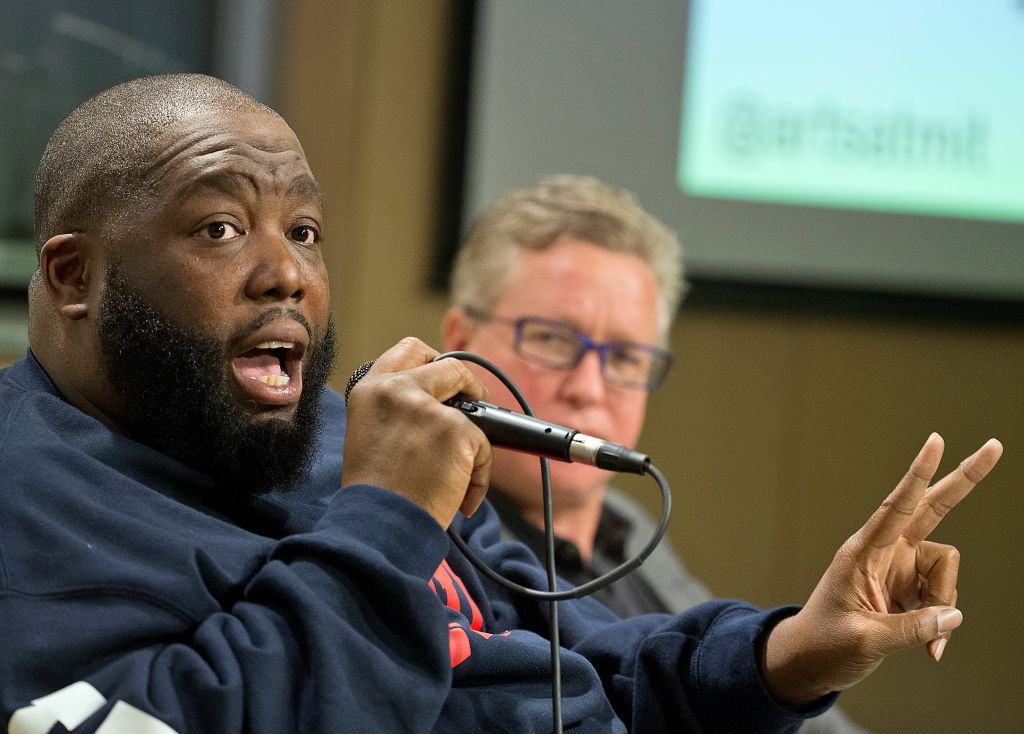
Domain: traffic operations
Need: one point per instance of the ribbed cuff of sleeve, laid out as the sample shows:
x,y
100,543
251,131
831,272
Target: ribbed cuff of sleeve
x,y
729,652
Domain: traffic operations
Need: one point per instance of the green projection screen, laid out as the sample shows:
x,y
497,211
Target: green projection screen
x,y
891,106
860,147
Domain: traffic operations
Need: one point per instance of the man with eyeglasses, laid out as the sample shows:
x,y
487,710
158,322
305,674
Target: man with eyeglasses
x,y
570,287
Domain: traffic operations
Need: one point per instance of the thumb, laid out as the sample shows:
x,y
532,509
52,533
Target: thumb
x,y
928,625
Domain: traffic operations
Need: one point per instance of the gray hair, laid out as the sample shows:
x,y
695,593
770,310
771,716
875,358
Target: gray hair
x,y
535,217
96,161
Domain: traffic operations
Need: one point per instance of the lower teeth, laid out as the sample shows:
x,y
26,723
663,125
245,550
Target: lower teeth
x,y
275,380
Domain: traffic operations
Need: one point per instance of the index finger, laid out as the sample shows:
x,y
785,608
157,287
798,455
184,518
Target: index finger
x,y
446,378
948,491
887,523
414,359
406,354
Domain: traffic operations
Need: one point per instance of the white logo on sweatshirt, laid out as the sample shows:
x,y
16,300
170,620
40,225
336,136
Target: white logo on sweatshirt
x,y
74,704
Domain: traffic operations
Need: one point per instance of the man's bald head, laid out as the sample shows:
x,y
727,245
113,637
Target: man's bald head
x,y
178,227
96,160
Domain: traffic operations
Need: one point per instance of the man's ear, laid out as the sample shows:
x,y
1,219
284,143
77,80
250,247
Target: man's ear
x,y
64,272
455,330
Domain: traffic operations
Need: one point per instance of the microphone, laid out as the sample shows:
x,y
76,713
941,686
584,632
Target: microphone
x,y
511,430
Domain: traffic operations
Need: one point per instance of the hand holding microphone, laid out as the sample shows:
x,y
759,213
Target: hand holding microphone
x,y
508,429
425,451
402,437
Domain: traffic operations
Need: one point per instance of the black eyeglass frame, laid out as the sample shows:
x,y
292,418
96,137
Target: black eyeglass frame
x,y
660,363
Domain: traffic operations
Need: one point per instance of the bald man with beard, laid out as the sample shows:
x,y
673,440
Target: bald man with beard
x,y
180,551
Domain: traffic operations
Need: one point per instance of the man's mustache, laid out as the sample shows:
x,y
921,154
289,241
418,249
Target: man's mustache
x,y
272,314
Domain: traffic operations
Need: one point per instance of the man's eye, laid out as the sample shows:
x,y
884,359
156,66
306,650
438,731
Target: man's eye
x,y
555,337
551,341
624,357
544,336
220,231
306,235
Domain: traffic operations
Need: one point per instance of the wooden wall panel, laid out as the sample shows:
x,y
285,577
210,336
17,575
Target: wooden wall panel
x,y
779,432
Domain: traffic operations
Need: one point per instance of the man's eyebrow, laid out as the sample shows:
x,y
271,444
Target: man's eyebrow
x,y
228,182
234,182
306,186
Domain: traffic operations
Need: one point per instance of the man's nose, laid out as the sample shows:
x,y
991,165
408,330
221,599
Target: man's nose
x,y
585,382
277,274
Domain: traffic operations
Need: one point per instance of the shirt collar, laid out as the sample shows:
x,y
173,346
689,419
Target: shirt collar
x,y
613,530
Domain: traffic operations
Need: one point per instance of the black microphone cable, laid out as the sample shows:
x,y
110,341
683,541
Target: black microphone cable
x,y
552,594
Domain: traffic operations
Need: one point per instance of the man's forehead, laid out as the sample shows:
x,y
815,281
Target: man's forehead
x,y
254,128
578,282
225,150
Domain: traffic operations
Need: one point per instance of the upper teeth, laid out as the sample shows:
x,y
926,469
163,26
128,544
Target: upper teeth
x,y
275,345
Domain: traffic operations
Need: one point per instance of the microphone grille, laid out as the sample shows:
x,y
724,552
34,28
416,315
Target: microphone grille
x,y
359,374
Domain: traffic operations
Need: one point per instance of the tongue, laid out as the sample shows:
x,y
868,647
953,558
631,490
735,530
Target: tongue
x,y
256,363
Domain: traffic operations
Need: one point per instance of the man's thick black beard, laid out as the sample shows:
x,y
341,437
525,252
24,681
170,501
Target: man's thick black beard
x,y
176,391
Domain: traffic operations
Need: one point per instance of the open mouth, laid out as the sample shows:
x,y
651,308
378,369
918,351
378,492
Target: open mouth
x,y
271,371
266,362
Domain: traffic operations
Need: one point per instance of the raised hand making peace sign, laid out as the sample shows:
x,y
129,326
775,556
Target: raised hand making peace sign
x,y
887,588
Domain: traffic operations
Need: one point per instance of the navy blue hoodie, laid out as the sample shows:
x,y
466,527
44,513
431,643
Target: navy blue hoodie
x,y
133,597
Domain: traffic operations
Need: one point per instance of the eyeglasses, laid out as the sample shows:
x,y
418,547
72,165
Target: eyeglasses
x,y
558,345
